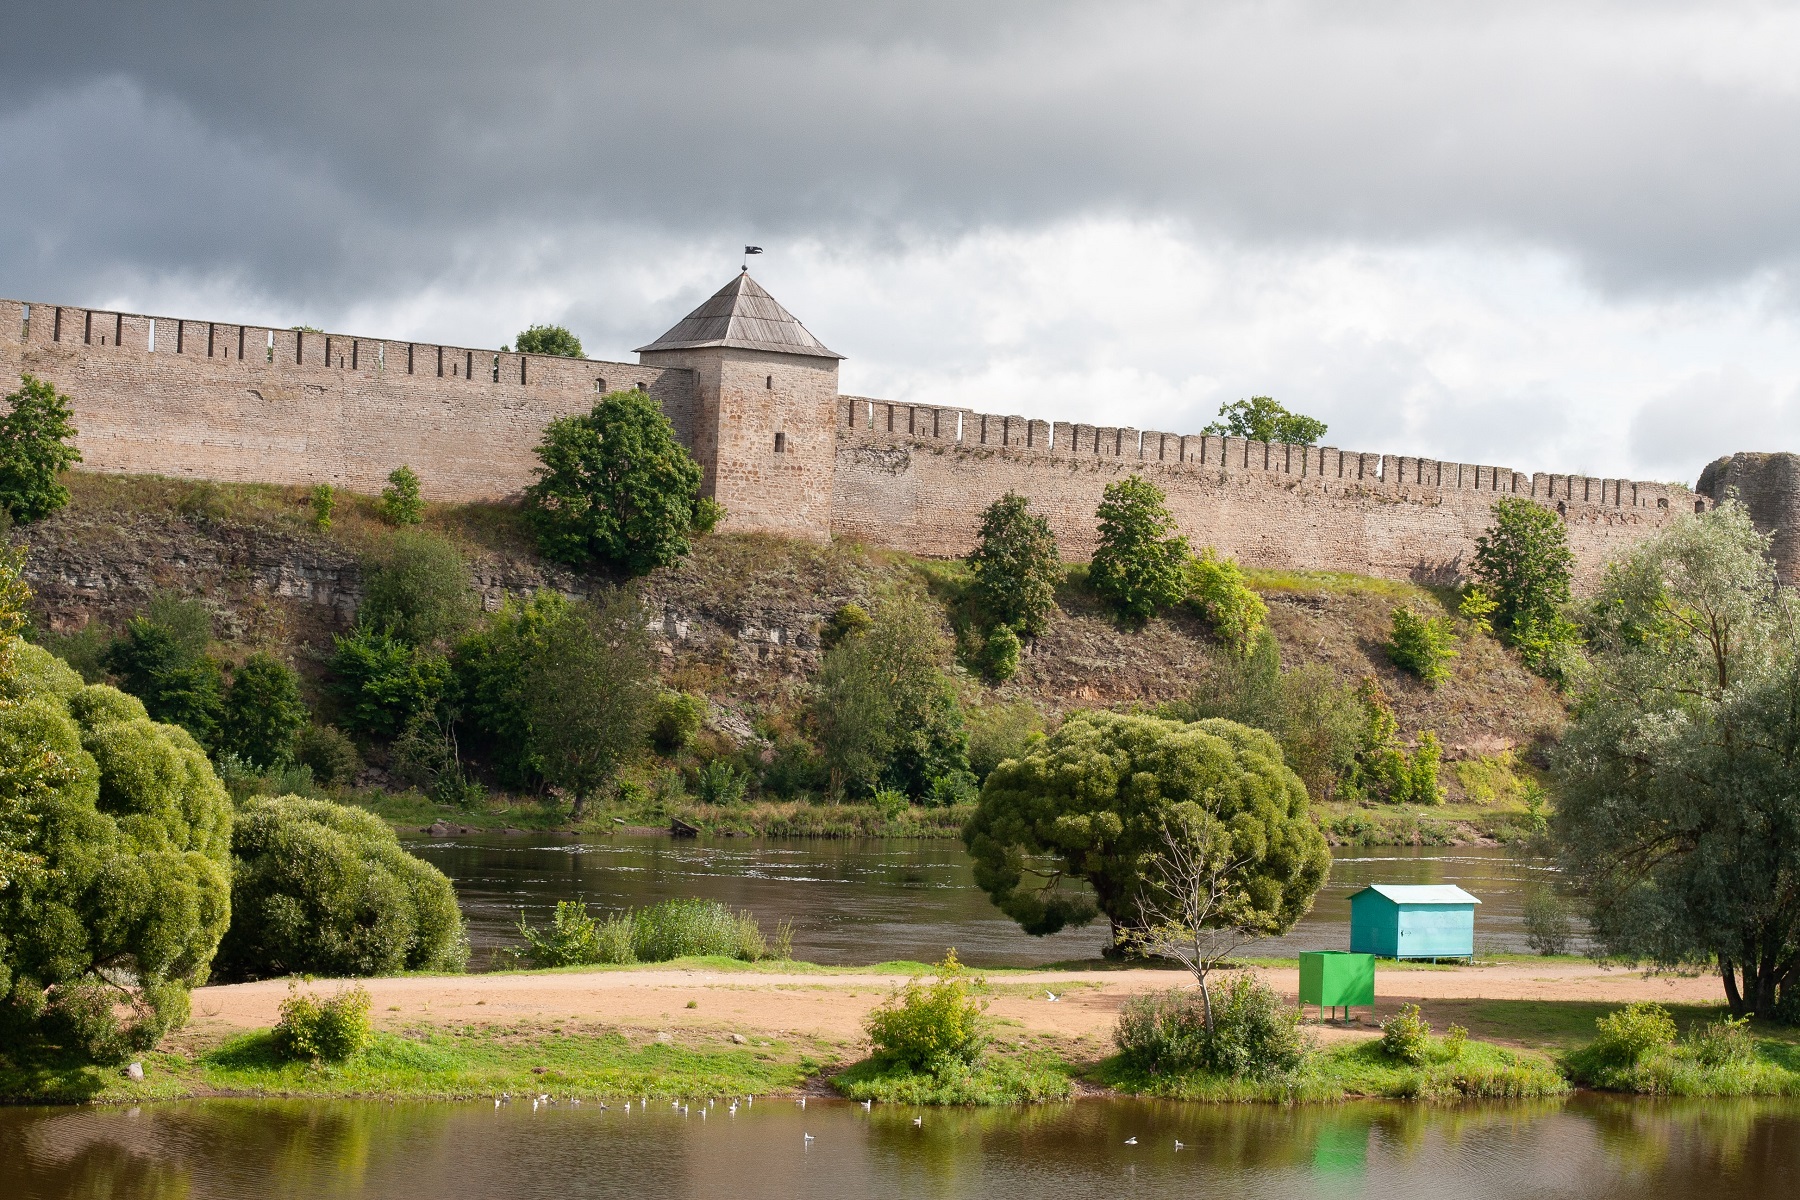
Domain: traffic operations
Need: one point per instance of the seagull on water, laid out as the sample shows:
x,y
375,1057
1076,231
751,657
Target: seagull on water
x,y
867,1104
1131,1141
803,1102
1180,1145
918,1122
809,1137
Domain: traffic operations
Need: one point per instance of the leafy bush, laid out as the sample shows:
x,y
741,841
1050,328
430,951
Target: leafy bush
x,y
383,683
675,720
1263,419
262,712
1406,1036
330,755
1721,1043
848,621
323,502
83,649
333,1030
1014,569
1524,562
1638,1029
115,843
617,487
35,448
1456,1039
1139,565
1381,768
1491,778
928,1027
324,889
1000,654
178,684
1547,927
574,939
1477,608
958,787
719,782
1255,1034
1217,591
417,589
885,712
492,668
401,503
998,732
548,339
1422,645
687,927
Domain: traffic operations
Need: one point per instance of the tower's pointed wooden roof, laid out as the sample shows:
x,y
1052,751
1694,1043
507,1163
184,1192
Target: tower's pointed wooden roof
x,y
742,316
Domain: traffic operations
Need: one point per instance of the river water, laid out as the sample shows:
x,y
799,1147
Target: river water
x,y
858,902
1588,1148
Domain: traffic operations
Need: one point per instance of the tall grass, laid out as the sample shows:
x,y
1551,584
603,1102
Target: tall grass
x,y
685,928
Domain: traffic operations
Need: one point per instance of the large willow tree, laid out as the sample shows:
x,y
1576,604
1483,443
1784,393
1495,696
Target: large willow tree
x,y
1680,774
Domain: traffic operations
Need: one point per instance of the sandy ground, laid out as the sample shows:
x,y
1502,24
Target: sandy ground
x,y
831,1007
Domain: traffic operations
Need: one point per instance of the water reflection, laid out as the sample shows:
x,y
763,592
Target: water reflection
x,y
1587,1148
863,901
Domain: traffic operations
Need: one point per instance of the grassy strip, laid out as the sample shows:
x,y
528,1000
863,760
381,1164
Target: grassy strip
x,y
1480,1071
1022,1077
437,1063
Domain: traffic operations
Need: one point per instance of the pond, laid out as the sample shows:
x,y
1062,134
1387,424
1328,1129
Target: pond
x,y
855,902
1588,1148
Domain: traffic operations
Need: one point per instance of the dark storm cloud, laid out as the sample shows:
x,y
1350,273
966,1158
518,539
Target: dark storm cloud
x,y
370,149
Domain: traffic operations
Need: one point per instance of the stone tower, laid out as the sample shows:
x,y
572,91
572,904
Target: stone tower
x,y
764,421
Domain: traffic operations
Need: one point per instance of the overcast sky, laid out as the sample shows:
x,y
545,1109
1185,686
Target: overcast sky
x,y
1549,236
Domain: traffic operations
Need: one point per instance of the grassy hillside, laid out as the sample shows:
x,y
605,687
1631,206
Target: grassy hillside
x,y
740,622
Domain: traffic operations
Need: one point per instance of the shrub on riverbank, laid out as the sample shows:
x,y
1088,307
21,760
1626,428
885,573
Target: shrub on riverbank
x,y
324,889
996,1079
1638,1050
684,928
1255,1034
335,1029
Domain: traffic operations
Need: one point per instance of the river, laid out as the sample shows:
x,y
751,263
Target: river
x,y
854,902
1588,1148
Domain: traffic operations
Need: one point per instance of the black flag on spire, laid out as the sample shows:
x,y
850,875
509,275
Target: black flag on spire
x,y
748,251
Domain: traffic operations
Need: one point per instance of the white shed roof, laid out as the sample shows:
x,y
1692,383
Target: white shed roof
x,y
1422,893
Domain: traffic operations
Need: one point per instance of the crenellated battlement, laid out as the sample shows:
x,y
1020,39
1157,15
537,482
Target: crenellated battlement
x,y
220,400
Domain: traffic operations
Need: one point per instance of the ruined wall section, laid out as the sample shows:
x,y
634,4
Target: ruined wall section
x,y
917,478
247,403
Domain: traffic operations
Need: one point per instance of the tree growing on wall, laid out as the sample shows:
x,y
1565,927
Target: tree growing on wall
x,y
616,487
1262,419
549,339
1140,564
1097,800
1525,565
1677,776
35,448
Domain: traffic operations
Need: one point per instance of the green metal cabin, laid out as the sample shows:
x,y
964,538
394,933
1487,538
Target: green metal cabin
x,y
1393,920
1334,979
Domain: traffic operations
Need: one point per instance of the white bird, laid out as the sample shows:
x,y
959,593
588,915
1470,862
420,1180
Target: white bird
x,y
628,1106
1052,996
866,1105
496,1102
918,1122
1131,1141
1180,1145
733,1109
803,1102
809,1137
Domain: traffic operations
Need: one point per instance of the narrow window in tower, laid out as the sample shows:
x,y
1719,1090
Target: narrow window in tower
x,y
599,385
769,383
781,443
639,385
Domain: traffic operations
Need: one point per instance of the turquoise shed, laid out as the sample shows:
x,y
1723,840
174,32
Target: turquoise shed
x,y
1395,920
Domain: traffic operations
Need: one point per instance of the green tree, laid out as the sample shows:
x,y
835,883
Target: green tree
x,y
323,500
1139,566
418,589
493,668
382,684
1014,568
549,339
325,889
1261,419
885,712
1096,801
1677,776
615,486
401,502
178,684
263,712
131,831
1218,591
590,680
1422,645
1524,563
34,449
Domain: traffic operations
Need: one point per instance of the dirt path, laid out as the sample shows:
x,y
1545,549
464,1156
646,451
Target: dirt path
x,y
831,1007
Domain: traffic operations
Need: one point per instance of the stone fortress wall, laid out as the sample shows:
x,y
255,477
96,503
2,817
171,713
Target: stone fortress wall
x,y
248,403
